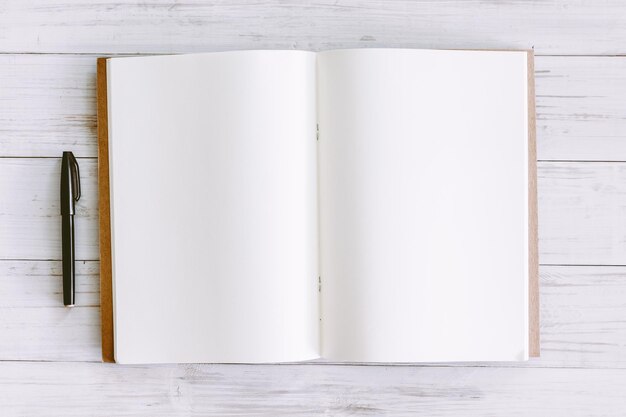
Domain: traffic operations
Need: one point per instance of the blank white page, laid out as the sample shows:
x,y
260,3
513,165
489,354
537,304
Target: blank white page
x,y
214,207
423,205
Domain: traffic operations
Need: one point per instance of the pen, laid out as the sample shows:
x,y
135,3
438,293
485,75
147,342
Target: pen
x,y
70,193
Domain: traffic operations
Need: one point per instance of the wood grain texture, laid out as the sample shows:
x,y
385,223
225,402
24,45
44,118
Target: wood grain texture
x,y
49,105
582,211
33,321
583,315
306,390
30,216
161,26
581,108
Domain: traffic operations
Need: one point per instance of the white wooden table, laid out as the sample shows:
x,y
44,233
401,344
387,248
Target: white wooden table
x,y
50,356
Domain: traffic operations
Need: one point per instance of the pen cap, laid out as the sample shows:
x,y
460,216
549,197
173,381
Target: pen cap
x,y
70,183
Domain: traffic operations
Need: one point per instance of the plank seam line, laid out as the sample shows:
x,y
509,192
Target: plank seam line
x,y
564,161
122,54
98,260
285,364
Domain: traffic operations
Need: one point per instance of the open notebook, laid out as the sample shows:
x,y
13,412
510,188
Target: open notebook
x,y
371,205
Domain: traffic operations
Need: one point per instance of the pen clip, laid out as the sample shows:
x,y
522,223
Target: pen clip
x,y
75,177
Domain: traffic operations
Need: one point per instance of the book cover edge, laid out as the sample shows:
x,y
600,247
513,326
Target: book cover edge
x,y
533,253
106,272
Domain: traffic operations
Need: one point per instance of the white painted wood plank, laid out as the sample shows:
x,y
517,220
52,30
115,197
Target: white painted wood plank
x,y
72,26
582,211
583,315
34,324
30,217
581,108
48,106
304,390
39,284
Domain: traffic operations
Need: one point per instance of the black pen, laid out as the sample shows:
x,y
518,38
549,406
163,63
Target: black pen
x,y
70,193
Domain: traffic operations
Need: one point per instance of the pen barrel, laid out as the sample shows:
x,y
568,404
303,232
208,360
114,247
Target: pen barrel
x,y
68,259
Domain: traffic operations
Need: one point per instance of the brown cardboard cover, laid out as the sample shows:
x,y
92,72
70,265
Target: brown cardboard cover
x,y
533,249
106,275
106,295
